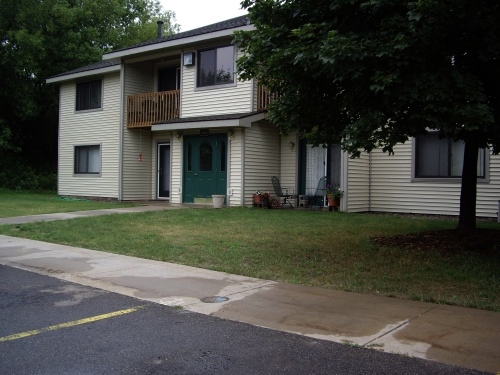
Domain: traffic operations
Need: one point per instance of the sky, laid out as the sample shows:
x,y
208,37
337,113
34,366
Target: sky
x,y
191,14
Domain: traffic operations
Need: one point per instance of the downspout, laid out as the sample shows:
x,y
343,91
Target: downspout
x,y
242,193
344,180
121,133
252,107
369,182
59,140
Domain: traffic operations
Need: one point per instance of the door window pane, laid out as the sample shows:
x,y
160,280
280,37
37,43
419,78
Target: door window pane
x,y
223,156
205,157
189,157
164,177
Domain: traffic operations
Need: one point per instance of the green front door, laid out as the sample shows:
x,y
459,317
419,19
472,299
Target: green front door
x,y
205,164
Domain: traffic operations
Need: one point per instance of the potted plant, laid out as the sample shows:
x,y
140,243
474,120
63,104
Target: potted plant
x,y
333,194
257,197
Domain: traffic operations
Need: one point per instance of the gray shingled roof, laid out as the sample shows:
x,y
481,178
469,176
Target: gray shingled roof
x,y
98,65
219,26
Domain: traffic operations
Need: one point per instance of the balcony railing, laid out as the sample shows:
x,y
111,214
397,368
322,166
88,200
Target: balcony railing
x,y
146,109
264,97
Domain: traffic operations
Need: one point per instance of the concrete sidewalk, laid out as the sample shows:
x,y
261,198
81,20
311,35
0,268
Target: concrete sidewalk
x,y
78,214
448,334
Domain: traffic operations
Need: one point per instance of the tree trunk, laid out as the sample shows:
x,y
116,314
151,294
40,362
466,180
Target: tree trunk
x,y
467,219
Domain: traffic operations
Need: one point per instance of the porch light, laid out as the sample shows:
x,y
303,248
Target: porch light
x,y
291,144
188,58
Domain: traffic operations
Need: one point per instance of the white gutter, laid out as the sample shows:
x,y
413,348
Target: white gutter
x,y
93,72
174,43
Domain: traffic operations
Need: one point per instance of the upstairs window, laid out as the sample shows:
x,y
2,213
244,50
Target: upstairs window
x,y
88,159
216,66
442,158
89,95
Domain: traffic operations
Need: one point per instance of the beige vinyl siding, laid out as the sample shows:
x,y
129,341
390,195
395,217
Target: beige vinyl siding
x,y
234,168
137,174
357,191
394,191
213,100
488,194
262,159
176,172
100,127
288,170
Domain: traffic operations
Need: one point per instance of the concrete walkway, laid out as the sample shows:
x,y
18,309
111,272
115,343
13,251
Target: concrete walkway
x,y
448,334
108,211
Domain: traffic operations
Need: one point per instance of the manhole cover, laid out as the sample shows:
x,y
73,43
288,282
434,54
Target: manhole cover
x,y
214,299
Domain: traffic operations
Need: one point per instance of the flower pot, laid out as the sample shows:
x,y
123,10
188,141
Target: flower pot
x,y
257,198
332,201
218,200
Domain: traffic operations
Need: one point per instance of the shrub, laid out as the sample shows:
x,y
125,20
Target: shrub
x,y
15,175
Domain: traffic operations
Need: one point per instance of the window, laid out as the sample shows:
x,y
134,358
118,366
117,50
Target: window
x,y
216,66
442,158
88,159
89,95
205,157
223,156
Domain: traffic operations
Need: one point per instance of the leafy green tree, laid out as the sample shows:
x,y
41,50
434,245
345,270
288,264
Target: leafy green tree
x,y
41,38
372,73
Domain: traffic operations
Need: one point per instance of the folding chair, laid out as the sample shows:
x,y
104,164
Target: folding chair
x,y
318,199
284,197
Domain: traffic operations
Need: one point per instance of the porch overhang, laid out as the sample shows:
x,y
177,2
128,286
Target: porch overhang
x,y
236,120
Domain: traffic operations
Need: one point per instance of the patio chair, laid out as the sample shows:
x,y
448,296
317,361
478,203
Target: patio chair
x,y
318,199
285,196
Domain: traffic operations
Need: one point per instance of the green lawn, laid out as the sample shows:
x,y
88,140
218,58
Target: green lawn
x,y
13,203
326,249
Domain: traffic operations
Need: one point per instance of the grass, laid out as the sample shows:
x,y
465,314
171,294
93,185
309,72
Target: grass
x,y
325,249
14,203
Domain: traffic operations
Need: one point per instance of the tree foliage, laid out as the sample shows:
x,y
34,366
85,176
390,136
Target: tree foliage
x,y
373,73
41,38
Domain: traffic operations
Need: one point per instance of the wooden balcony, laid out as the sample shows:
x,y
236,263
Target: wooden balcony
x,y
264,97
146,109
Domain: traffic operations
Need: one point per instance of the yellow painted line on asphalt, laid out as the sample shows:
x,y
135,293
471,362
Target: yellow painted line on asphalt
x,y
70,324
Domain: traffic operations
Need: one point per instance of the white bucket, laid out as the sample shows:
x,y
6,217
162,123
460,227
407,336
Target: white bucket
x,y
218,200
